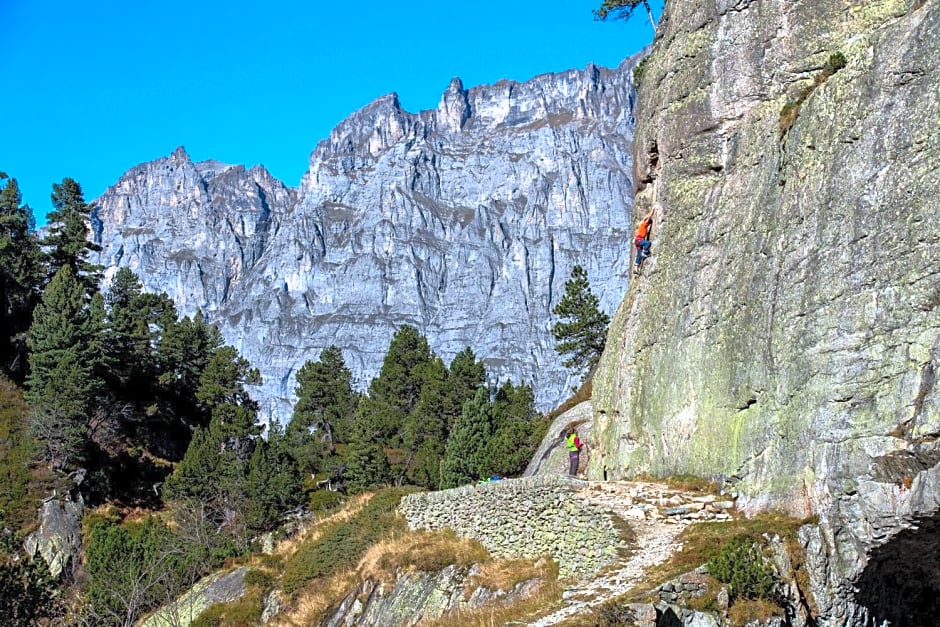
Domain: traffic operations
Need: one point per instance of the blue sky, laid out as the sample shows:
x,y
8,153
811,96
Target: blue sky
x,y
94,88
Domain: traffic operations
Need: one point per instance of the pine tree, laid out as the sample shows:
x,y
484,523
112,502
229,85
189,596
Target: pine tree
x,y
466,455
465,377
366,464
65,352
582,332
518,430
274,485
325,409
20,277
394,394
425,432
182,355
68,241
623,10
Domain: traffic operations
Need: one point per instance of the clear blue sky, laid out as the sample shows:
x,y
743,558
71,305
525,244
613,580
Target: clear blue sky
x,y
94,88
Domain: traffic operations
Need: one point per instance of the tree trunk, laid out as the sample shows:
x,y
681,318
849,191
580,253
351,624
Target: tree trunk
x,y
646,5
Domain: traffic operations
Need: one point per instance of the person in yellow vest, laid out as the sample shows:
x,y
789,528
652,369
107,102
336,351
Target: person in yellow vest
x,y
574,451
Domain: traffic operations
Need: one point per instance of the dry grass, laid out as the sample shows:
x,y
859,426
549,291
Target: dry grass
x,y
581,394
420,551
703,541
315,599
289,546
686,483
745,611
547,595
507,574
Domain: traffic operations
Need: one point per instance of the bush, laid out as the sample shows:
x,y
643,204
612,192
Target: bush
x,y
741,564
342,544
324,501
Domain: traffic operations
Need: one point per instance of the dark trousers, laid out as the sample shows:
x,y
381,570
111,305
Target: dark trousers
x,y
642,250
573,460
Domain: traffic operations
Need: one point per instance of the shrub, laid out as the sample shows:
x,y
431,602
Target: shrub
x,y
741,564
324,501
791,109
342,545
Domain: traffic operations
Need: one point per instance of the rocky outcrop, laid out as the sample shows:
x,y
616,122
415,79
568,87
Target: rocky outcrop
x,y
59,537
552,454
414,598
527,518
463,221
785,335
221,587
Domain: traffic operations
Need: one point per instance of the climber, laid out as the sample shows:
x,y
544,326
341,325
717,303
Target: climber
x,y
642,241
574,450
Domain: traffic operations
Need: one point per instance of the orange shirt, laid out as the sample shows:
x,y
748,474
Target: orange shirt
x,y
643,230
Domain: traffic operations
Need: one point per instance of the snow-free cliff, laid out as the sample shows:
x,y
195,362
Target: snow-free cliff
x,y
463,221
785,336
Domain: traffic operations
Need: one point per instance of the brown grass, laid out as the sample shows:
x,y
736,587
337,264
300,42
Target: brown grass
x,y
581,394
289,546
546,596
686,483
314,599
745,611
420,551
703,541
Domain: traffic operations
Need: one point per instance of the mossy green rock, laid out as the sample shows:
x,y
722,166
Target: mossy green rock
x,y
786,332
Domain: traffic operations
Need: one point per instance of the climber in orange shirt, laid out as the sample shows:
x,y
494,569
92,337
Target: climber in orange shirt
x,y
642,241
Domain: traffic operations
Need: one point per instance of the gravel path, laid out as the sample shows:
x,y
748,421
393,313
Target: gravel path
x,y
657,514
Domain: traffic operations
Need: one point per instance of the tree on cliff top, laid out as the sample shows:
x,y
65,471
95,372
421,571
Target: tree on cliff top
x,y
583,330
622,10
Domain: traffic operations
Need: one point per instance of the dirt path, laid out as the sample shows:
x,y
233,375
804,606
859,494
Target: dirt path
x,y
657,514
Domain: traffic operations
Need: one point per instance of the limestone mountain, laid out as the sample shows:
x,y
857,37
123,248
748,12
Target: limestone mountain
x,y
463,221
785,336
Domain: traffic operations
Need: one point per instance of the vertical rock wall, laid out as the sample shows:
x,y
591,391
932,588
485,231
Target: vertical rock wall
x,y
785,335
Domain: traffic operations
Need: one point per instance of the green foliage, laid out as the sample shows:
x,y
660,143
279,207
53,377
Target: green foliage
x,y
68,241
18,495
519,430
27,590
342,545
64,362
741,564
324,501
791,109
20,276
582,332
131,569
394,394
244,611
467,457
638,71
274,485
326,406
366,464
622,10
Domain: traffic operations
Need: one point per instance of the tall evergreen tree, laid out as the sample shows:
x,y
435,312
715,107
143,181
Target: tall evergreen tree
x,y
182,355
67,242
394,394
325,409
465,377
518,430
425,432
65,352
466,458
274,484
366,464
582,332
20,277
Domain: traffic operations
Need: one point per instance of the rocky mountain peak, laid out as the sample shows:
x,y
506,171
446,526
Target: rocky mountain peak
x,y
463,221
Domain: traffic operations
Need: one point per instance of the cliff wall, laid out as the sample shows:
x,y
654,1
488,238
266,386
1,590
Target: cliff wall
x,y
785,335
463,221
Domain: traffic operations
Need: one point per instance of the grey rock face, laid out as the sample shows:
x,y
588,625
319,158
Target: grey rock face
x,y
785,335
463,221
59,537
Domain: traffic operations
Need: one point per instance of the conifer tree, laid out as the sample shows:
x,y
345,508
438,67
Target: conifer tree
x,y
274,484
325,409
623,10
425,432
20,277
366,464
394,394
466,455
582,332
518,431
465,377
65,351
68,242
